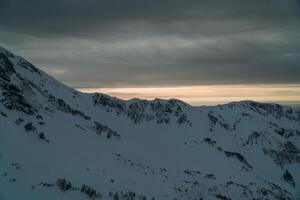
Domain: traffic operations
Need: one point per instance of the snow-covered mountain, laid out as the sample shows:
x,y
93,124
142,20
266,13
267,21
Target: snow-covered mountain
x,y
58,143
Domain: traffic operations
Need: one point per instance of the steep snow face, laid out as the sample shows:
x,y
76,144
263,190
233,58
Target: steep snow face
x,y
59,143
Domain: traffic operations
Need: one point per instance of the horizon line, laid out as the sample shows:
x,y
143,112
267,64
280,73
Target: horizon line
x,y
198,95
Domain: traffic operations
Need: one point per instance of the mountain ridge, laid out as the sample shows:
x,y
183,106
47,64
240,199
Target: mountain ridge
x,y
8,53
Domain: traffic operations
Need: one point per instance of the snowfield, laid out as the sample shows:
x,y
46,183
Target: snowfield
x,y
58,143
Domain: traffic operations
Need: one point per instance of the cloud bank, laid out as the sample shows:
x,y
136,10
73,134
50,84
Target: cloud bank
x,y
107,43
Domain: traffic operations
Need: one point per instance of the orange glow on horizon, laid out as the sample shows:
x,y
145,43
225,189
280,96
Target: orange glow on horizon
x,y
211,94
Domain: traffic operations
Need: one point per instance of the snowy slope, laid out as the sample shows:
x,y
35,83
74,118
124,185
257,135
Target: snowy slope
x,y
59,143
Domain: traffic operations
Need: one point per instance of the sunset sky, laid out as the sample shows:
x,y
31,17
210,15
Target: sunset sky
x,y
204,52
212,94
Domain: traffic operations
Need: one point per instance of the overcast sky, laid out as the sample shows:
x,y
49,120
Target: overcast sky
x,y
97,43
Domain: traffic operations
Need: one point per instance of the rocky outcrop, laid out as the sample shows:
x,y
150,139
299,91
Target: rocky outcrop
x,y
158,110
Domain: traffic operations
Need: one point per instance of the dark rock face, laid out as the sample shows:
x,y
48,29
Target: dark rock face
x,y
61,105
13,96
29,127
263,189
286,133
182,119
239,157
91,192
27,65
287,154
218,120
258,137
252,139
3,114
14,99
288,178
160,111
109,104
265,109
6,68
136,111
104,130
212,118
297,112
66,186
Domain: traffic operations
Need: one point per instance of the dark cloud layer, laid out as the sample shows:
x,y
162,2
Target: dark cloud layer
x,y
96,43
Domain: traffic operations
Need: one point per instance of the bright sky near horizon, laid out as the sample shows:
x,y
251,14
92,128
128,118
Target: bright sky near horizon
x,y
288,94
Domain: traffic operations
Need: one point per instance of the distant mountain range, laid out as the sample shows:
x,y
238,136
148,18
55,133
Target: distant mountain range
x,y
58,143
